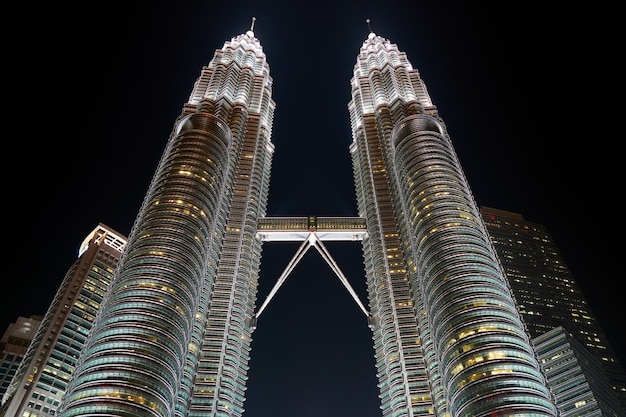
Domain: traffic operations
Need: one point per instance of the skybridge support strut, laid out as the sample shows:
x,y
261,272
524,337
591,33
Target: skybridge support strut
x,y
310,240
292,264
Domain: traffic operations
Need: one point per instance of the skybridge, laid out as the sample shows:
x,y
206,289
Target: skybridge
x,y
312,231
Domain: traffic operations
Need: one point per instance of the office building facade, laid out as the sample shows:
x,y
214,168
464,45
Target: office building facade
x,y
580,386
42,376
545,290
173,334
13,345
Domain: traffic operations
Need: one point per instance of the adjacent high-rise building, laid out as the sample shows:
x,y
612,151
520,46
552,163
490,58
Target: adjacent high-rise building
x,y
13,345
580,386
173,335
546,292
42,376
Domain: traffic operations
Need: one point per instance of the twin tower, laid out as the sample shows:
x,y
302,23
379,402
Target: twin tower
x,y
173,333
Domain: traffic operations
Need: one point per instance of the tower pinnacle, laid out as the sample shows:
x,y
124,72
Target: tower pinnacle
x,y
252,25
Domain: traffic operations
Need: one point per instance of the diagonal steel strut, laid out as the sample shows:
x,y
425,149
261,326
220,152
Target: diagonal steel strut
x,y
312,240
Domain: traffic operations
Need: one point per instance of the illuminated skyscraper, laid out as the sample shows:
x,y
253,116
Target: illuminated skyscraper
x,y
173,334
174,331
547,294
13,345
42,376
448,338
579,384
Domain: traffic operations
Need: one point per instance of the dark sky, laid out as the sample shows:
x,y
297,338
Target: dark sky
x,y
92,97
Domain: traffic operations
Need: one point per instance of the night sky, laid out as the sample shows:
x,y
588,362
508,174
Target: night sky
x,y
91,98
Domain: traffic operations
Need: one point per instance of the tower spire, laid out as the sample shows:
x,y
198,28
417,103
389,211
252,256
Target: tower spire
x,y
252,25
368,25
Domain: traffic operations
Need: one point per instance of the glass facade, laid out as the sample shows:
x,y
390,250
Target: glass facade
x,y
13,345
580,386
545,290
42,377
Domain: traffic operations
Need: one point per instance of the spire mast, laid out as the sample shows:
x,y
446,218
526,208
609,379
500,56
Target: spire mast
x,y
252,25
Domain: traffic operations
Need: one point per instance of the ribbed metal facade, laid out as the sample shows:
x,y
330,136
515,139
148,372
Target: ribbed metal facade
x,y
173,337
447,335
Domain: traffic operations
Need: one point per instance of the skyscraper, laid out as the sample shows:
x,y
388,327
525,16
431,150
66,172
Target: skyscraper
x,y
13,345
174,331
547,294
173,336
42,376
579,384
447,335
